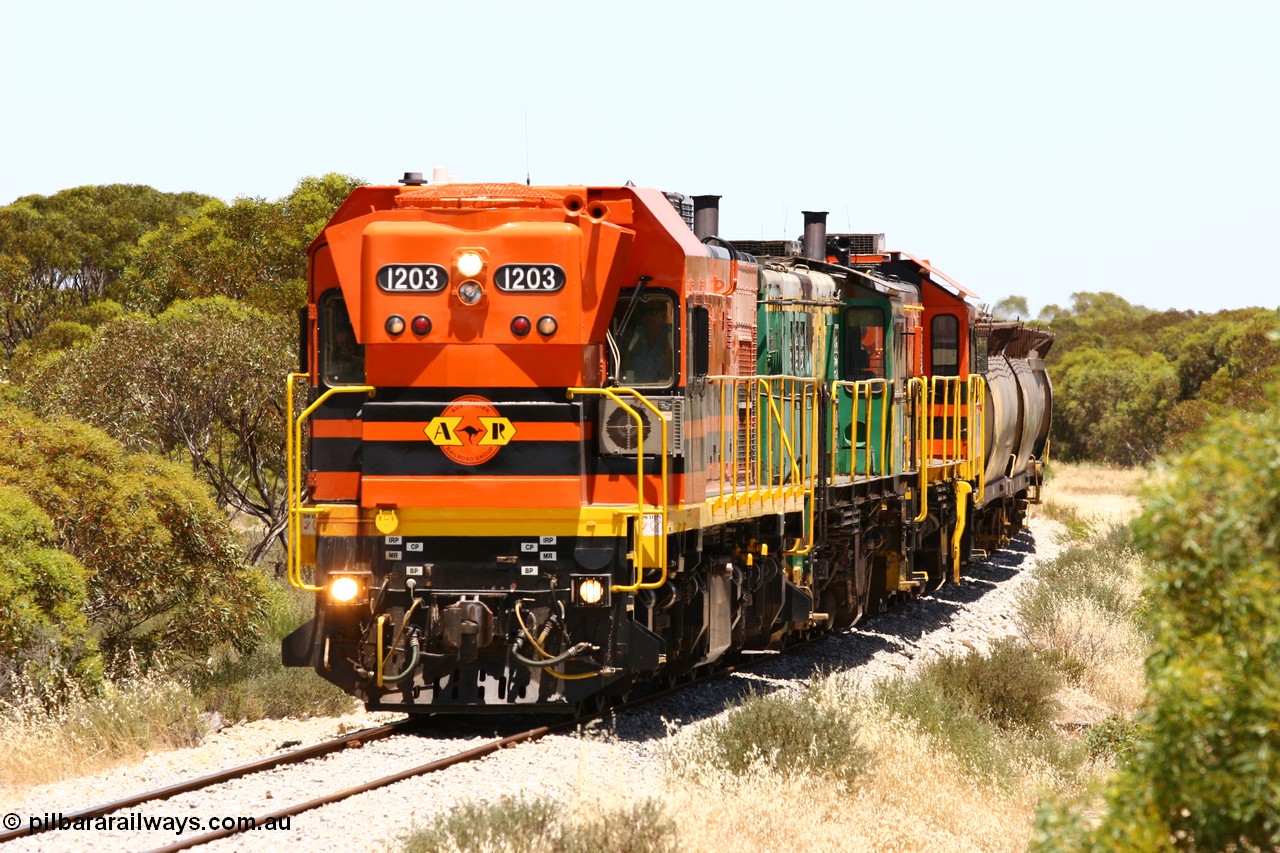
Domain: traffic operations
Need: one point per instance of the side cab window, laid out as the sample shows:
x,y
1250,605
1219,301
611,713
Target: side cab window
x,y
645,333
341,358
863,344
944,345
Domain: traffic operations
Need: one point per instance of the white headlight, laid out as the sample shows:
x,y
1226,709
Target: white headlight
x,y
590,591
470,264
344,590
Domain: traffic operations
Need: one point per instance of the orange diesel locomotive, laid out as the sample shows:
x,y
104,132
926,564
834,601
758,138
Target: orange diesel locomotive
x,y
552,443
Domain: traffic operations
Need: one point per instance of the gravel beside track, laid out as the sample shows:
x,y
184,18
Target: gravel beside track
x,y
622,756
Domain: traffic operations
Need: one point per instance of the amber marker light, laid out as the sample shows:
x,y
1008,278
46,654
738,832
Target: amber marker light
x,y
421,325
470,264
470,292
520,326
395,325
547,325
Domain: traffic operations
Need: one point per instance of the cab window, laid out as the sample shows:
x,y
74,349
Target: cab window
x,y
341,358
644,331
863,344
944,336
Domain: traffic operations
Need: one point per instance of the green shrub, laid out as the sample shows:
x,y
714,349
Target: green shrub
x,y
538,826
974,743
1104,570
1114,737
1203,773
1011,687
44,635
1079,528
165,578
257,685
788,734
991,712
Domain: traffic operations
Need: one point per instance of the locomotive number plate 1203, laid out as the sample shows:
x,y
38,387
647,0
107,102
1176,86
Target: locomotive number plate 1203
x,y
412,278
529,278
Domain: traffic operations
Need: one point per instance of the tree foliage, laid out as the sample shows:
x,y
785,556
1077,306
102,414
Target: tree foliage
x,y
164,575
1206,773
1113,361
72,247
201,383
1111,405
43,630
252,250
1011,308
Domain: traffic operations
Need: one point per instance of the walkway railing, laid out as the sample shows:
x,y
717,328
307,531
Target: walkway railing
x,y
650,520
293,466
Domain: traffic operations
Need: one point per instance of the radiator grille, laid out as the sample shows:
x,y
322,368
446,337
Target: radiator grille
x,y
768,248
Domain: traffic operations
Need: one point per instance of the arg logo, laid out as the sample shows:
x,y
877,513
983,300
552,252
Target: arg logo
x,y
470,431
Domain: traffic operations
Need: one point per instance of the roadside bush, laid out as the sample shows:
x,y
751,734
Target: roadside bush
x,y
790,735
1203,774
1113,738
975,744
257,685
1010,687
1104,569
992,712
85,731
44,635
165,579
538,826
1079,528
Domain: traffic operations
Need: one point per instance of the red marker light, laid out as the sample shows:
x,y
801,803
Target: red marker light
x,y
520,326
421,324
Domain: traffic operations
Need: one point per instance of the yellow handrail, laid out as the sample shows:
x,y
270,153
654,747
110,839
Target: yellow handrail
x,y
919,391
612,394
293,467
812,455
978,431
858,391
784,405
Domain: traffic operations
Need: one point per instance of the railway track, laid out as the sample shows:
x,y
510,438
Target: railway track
x,y
366,736
355,739
335,745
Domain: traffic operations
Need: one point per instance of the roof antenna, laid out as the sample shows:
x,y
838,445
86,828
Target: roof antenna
x,y
528,179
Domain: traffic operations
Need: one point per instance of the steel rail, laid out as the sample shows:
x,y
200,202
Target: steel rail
x,y
442,763
296,756
346,793
367,735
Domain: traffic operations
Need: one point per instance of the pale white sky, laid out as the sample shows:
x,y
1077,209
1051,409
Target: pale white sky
x,y
1035,148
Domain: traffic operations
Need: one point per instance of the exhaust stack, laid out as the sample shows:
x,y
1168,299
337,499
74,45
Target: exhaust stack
x,y
706,216
815,234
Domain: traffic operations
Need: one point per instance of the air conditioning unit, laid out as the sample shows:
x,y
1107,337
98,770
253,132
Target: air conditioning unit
x,y
620,433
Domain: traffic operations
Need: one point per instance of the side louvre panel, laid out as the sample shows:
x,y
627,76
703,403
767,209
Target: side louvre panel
x,y
620,432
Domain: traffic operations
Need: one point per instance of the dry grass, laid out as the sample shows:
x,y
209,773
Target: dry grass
x,y
91,732
1098,493
1110,654
916,796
